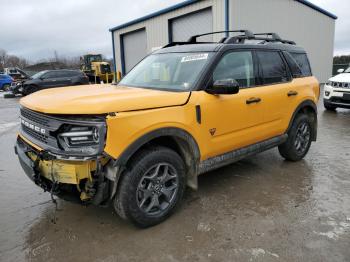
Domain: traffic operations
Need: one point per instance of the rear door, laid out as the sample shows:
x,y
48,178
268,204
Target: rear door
x,y
63,78
276,82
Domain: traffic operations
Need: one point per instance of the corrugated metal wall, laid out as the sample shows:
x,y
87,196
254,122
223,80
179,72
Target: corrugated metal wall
x,y
309,28
184,27
292,20
134,48
157,27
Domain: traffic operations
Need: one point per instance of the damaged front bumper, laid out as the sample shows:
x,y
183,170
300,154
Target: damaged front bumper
x,y
85,182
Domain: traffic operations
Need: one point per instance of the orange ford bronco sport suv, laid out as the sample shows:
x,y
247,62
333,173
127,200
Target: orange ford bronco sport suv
x,y
187,108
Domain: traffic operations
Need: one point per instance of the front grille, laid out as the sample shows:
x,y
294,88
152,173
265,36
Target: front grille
x,y
35,117
340,100
36,125
36,135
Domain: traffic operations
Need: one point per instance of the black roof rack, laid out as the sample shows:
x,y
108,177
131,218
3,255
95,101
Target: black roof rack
x,y
270,37
247,33
240,39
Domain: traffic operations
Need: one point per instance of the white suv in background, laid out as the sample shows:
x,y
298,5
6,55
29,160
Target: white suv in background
x,y
337,91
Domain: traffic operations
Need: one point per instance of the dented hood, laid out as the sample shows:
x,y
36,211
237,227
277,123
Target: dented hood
x,y
100,99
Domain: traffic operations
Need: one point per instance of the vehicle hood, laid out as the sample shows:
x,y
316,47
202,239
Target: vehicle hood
x,y
100,99
343,78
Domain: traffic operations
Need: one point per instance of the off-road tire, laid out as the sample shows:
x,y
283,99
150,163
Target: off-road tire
x,y
125,201
288,149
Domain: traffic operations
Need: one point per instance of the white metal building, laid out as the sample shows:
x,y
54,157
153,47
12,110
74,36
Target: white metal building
x,y
299,20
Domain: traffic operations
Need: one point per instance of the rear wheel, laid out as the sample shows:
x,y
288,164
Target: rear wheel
x,y
299,139
152,187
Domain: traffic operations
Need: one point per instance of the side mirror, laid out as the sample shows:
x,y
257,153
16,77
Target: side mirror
x,y
341,70
224,87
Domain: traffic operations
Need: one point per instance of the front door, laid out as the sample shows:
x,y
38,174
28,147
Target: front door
x,y
49,79
233,121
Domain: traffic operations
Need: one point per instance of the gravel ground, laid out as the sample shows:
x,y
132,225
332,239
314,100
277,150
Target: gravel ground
x,y
259,209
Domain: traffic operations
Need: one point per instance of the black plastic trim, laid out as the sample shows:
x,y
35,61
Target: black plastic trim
x,y
238,154
198,114
168,131
306,103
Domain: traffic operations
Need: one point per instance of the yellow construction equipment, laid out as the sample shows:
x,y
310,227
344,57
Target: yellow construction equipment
x,y
96,69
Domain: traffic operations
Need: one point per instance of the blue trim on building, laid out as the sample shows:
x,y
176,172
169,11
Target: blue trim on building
x,y
227,16
122,58
160,12
189,2
317,8
113,47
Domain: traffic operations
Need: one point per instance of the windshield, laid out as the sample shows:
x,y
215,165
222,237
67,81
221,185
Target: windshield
x,y
170,71
38,75
94,58
347,70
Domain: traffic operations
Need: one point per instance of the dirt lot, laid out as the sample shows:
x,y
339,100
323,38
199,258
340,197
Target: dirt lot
x,y
259,209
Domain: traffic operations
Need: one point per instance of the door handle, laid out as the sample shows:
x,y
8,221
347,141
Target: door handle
x,y
292,93
253,100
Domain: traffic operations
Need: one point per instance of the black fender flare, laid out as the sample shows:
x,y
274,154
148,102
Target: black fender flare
x,y
305,104
185,141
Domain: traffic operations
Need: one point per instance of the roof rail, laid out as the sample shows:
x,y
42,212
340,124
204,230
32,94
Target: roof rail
x,y
239,39
247,33
274,38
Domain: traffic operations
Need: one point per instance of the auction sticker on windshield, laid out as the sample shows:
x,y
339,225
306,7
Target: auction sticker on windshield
x,y
195,57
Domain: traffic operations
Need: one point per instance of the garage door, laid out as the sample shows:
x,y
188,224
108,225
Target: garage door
x,y
192,24
135,48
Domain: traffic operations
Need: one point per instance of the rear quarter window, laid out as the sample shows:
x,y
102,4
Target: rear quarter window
x,y
293,65
303,63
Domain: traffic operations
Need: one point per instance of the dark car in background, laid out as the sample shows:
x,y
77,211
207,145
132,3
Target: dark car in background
x,y
51,79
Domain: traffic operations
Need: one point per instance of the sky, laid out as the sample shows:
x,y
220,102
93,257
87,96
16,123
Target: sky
x,y
35,29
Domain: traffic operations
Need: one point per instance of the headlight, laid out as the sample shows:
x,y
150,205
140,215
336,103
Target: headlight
x,y
82,139
329,83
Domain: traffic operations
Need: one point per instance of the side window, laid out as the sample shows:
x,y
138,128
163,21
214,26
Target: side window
x,y
293,65
49,75
273,68
73,73
303,62
238,66
63,74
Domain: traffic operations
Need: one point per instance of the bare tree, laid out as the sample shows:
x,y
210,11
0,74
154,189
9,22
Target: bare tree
x,y
3,58
7,60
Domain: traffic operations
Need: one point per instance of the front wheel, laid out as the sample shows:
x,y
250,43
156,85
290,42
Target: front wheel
x,y
299,139
152,187
6,87
30,89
